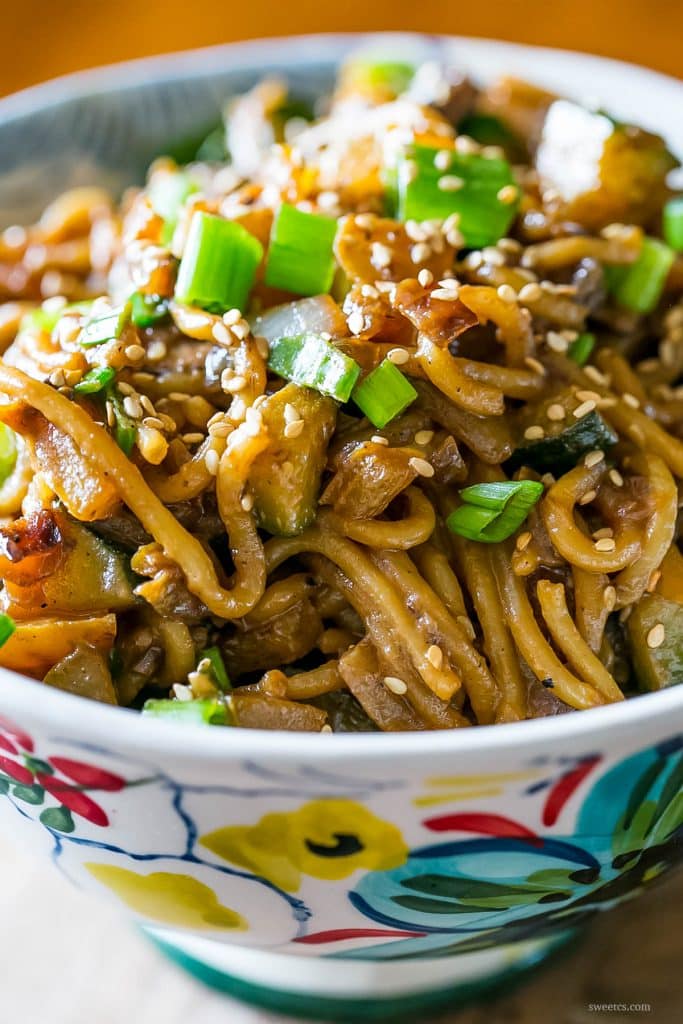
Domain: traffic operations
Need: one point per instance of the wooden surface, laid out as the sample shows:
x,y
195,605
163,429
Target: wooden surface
x,y
66,959
42,38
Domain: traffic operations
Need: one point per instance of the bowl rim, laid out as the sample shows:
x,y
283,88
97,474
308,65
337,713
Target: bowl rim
x,y
66,712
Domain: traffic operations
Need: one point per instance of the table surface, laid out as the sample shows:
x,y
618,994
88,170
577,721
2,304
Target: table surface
x,y
67,959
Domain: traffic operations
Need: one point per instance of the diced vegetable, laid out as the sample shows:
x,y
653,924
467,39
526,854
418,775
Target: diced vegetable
x,y
125,430
167,194
310,360
199,712
34,647
218,265
384,394
8,452
581,348
218,669
492,512
655,632
367,478
285,478
7,627
468,185
105,328
95,380
639,286
85,673
300,258
317,315
673,223
148,310
258,711
564,444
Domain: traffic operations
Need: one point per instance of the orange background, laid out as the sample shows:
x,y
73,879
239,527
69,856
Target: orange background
x,y
44,38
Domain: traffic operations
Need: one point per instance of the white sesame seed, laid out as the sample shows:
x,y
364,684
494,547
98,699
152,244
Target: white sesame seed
x,y
616,477
507,293
399,356
211,460
493,152
534,433
593,458
556,412
587,396
530,292
534,364
455,238
445,294
609,598
293,430
380,255
152,445
523,541
235,384
415,231
442,160
378,439
327,728
493,256
421,466
179,396
450,183
125,389
232,317
595,375
435,656
291,413
396,685
423,437
111,415
220,429
425,277
356,322
241,330
507,194
195,438
156,350
132,407
605,544
57,378
473,260
365,220
556,342
630,400
420,252
222,335
584,409
368,292
328,200
656,636
182,692
586,498
247,502
604,531
464,144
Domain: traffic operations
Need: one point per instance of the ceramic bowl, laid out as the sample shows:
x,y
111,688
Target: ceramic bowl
x,y
348,876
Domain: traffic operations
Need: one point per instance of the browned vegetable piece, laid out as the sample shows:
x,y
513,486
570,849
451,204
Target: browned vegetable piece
x,y
166,590
280,641
655,633
85,673
258,711
36,646
441,321
359,668
488,437
600,172
380,250
670,582
368,477
285,478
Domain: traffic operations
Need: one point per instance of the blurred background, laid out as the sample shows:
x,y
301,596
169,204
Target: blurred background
x,y
44,38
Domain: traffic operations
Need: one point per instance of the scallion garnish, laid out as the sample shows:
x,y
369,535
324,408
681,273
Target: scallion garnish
x,y
300,258
638,287
580,349
431,188
218,265
148,310
8,451
218,669
7,627
392,76
125,430
673,223
95,380
309,360
492,512
203,712
107,327
384,394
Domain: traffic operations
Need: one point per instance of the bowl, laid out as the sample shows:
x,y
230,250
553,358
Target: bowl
x,y
348,876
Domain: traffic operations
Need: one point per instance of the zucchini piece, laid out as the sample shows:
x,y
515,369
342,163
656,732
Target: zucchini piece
x,y
565,441
85,673
662,666
285,477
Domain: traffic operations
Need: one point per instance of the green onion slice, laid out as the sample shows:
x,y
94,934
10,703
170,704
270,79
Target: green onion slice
x,y
492,512
95,380
581,348
309,360
638,287
8,452
218,669
108,327
148,310
384,394
300,258
167,194
469,186
218,265
363,71
202,712
673,223
7,627
125,429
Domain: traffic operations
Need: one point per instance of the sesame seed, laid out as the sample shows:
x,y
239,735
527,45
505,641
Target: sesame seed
x,y
493,152
587,396
415,231
222,335
396,685
146,404
421,466
125,389
593,458
534,364
556,342
656,636
380,255
294,429
534,433
586,498
398,356
442,160
111,415
368,292
220,429
510,245
291,413
493,256
435,656
234,384
523,541
156,350
57,378
604,531
232,317
556,412
211,460
473,260
630,400
134,352
455,238
616,477
247,502
365,220
182,692
595,375
445,294
609,598
241,330
425,277
423,437
328,200
605,544
254,420
507,293
450,183
584,409
378,439
530,292
464,144
196,438
179,396
356,322
420,252
132,407
507,194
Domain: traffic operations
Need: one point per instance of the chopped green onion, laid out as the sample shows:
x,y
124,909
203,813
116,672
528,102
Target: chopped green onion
x,y
492,512
218,669
300,258
95,380
46,320
202,712
469,185
309,360
384,394
125,430
365,72
219,264
486,129
8,452
148,310
673,223
7,627
639,286
168,192
581,348
108,327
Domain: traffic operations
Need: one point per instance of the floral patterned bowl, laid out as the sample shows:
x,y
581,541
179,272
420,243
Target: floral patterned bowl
x,y
301,872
